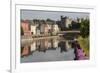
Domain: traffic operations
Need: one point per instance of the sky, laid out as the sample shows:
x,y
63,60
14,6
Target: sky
x,y
54,15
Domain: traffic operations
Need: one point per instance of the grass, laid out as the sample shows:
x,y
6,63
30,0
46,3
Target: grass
x,y
84,43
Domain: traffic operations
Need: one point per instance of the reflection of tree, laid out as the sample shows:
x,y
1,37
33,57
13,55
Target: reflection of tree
x,y
62,46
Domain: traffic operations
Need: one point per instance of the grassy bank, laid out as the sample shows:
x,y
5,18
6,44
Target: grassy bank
x,y
84,43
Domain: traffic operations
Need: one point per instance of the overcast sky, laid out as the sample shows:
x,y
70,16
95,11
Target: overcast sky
x,y
33,14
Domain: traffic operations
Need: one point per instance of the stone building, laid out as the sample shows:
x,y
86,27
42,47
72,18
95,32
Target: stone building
x,y
65,22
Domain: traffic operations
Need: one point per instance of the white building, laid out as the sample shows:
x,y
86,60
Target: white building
x,y
68,22
55,29
33,29
42,28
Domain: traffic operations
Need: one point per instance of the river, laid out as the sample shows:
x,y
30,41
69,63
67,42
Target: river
x,y
48,49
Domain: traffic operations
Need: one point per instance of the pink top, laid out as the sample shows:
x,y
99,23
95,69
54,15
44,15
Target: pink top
x,y
80,54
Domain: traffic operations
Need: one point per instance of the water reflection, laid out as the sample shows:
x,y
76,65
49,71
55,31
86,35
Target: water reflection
x,y
54,49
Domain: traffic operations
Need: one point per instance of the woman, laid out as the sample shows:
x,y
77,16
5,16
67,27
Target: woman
x,y
79,53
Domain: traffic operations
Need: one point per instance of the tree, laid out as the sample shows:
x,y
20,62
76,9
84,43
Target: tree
x,y
75,25
84,29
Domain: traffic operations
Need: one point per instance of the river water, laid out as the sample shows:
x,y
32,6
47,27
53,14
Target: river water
x,y
47,49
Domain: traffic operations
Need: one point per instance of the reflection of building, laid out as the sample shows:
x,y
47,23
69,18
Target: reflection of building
x,y
25,51
33,46
42,45
64,46
67,45
25,27
55,43
37,44
49,45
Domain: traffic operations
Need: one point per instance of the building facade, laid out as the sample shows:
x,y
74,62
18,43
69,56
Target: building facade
x,y
25,27
33,29
65,22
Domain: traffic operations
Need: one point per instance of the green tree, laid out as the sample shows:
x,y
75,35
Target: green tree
x,y
84,28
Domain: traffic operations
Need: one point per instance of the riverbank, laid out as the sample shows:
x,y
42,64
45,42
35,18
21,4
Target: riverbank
x,y
84,43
